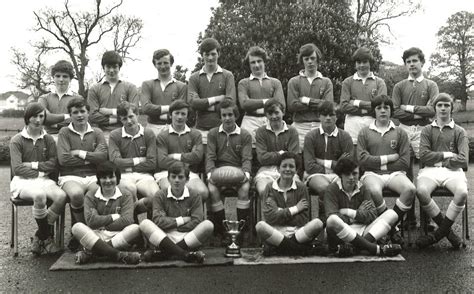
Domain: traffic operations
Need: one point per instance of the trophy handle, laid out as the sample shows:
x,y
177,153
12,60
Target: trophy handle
x,y
224,223
241,224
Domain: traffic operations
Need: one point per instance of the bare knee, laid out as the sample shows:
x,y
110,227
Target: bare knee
x,y
333,222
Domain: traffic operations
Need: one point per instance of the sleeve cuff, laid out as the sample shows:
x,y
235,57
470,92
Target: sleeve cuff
x,y
356,103
164,116
83,154
180,221
115,216
34,165
260,111
265,101
165,108
447,155
136,161
212,101
293,210
114,112
305,100
410,108
383,160
327,163
439,164
66,116
383,167
247,174
178,156
41,174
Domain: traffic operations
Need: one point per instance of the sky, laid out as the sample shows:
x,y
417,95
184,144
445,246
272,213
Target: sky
x,y
175,25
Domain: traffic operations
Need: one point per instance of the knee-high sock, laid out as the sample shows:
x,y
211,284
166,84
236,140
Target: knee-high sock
x,y
40,215
89,239
309,231
451,214
77,214
158,238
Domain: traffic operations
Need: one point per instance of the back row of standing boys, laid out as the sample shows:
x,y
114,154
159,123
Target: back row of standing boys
x,y
146,161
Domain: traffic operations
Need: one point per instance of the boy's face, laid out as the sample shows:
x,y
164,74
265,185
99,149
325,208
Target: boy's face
x,y
275,115
163,65
310,62
362,67
228,118
414,65
79,116
111,71
179,117
130,120
177,181
108,183
37,120
287,168
350,180
328,121
443,110
61,81
257,66
382,112
210,57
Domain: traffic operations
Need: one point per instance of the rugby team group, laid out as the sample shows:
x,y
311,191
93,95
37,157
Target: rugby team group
x,y
95,155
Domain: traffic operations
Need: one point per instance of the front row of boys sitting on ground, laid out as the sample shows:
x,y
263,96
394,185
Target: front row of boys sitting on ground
x,y
382,151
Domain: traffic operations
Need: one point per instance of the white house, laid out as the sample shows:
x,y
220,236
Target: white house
x,y
14,100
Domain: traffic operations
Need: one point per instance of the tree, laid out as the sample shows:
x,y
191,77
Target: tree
x,y
33,74
454,56
392,73
281,27
180,73
374,16
75,32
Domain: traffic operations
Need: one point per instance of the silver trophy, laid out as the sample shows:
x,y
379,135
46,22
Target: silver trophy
x,y
233,228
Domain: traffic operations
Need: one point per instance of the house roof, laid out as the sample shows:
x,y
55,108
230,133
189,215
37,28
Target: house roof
x,y
20,95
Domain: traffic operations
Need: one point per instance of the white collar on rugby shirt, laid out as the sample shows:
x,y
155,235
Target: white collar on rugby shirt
x,y
172,130
318,74
219,69
185,194
24,134
284,129
235,131
88,130
450,124
141,132
374,127
68,92
117,194
333,134
356,190
276,187
418,79
252,77
369,76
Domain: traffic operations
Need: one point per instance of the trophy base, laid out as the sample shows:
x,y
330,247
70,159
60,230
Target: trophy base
x,y
233,253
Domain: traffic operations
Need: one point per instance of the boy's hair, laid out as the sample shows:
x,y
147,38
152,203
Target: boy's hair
x,y
31,110
124,106
78,103
228,103
177,167
290,155
381,99
307,50
413,51
209,44
271,105
344,166
63,66
363,54
111,58
255,51
327,108
161,53
178,104
444,97
107,168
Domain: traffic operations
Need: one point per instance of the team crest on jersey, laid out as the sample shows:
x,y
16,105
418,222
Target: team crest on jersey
x,y
374,92
45,152
321,92
393,144
142,150
451,146
424,94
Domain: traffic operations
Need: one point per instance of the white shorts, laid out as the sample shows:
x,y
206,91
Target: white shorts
x,y
330,177
442,175
164,174
287,231
83,181
355,123
17,184
385,178
252,123
176,236
156,128
135,178
105,235
204,136
267,172
304,128
413,133
362,229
